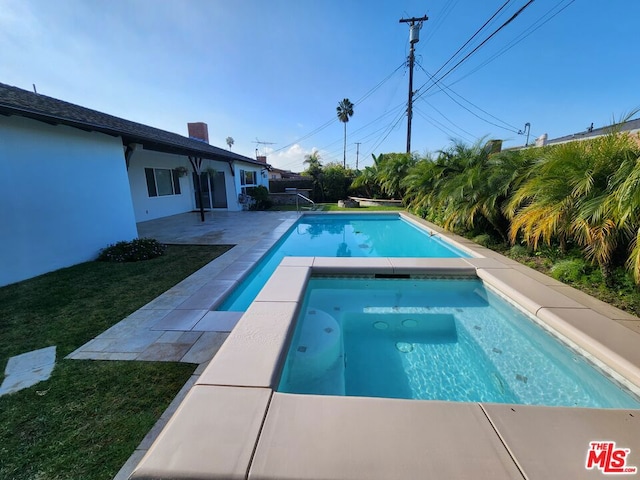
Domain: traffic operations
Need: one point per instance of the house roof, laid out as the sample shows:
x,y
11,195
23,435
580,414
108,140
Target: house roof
x,y
16,101
628,126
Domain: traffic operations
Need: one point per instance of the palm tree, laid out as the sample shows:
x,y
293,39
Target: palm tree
x,y
230,142
345,111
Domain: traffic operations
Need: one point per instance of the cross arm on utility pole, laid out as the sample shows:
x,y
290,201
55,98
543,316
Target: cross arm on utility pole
x,y
414,19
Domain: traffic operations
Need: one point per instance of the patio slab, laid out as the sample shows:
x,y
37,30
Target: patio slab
x,y
136,343
208,295
179,320
205,348
256,343
207,436
552,443
218,321
165,352
27,369
304,437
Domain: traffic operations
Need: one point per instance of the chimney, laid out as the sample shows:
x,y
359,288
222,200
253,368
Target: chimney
x,y
261,158
199,131
541,141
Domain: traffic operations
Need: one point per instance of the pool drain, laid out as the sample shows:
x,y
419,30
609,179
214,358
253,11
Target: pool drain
x,y
409,323
381,325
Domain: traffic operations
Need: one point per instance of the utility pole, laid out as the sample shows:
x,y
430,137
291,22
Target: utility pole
x,y
357,153
415,24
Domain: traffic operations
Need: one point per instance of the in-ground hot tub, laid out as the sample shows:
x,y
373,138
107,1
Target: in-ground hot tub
x,y
436,339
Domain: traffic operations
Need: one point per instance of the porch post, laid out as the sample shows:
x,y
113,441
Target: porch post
x,y
196,163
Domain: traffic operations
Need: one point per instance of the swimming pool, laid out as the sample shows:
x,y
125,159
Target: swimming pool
x,y
435,339
342,235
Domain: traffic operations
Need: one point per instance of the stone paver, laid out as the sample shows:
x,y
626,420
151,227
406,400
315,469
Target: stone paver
x,y
27,369
218,321
183,320
205,348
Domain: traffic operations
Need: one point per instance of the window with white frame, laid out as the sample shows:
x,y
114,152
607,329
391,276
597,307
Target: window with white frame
x,y
248,179
162,182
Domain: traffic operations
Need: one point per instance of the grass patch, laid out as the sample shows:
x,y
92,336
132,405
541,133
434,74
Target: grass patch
x,y
86,420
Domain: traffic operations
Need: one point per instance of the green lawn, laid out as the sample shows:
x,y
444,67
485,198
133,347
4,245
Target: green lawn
x,y
87,419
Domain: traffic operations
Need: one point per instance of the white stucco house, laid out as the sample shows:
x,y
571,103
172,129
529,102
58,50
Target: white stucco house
x,y
73,180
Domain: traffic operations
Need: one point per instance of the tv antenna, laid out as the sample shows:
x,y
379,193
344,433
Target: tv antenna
x,y
259,142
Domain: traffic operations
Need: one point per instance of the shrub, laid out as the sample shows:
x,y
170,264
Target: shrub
x,y
483,239
335,181
518,251
571,270
260,197
133,251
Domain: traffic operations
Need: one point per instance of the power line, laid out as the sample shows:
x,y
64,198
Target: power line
x,y
518,39
391,129
440,18
335,119
435,81
440,85
455,125
477,32
440,126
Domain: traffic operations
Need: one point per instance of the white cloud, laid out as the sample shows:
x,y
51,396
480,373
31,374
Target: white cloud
x,y
290,159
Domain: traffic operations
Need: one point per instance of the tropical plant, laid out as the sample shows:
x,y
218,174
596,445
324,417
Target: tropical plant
x,y
336,180
542,209
366,181
230,141
577,192
344,111
314,170
392,169
472,190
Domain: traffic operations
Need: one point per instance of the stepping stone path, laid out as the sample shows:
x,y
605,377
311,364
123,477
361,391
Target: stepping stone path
x,y
27,369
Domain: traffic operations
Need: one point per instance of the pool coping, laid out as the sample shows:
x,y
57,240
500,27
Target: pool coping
x,y
233,424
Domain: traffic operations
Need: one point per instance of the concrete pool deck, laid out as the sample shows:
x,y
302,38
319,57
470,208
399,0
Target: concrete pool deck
x,y
232,423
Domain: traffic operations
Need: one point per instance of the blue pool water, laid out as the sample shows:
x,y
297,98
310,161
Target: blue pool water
x,y
341,236
436,339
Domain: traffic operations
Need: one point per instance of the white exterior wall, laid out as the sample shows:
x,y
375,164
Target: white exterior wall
x,y
64,195
260,178
149,208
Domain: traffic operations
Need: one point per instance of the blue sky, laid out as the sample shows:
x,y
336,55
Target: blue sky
x,y
274,70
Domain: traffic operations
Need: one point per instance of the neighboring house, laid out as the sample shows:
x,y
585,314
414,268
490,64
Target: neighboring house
x,y
277,174
73,180
631,127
